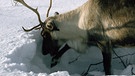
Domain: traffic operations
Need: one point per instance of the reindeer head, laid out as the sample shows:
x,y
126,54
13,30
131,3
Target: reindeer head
x,y
49,45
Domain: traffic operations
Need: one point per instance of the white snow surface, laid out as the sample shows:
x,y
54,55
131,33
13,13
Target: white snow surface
x,y
20,52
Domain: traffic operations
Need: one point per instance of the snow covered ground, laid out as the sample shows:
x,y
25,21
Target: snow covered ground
x,y
20,52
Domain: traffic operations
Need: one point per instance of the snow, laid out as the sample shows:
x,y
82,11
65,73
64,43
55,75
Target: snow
x,y
20,52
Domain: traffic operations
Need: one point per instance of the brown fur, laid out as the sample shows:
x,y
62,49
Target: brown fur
x,y
119,15
115,17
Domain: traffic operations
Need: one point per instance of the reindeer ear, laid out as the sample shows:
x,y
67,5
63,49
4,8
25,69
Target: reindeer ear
x,y
51,26
56,13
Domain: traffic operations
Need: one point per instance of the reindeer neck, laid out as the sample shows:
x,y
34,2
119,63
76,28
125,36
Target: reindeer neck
x,y
68,25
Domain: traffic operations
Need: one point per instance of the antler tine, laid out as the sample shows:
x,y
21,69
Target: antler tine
x,y
34,10
35,27
37,13
49,8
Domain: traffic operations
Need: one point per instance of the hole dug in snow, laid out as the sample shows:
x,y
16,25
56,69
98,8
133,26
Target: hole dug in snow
x,y
27,57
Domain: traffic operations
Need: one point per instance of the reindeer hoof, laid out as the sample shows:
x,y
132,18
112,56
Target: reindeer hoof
x,y
54,61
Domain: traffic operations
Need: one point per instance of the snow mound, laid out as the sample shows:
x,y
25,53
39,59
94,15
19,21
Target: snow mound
x,y
129,70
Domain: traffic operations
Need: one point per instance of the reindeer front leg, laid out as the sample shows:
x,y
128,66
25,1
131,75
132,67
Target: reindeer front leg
x,y
58,55
106,48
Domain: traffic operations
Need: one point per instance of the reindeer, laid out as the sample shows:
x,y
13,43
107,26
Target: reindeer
x,y
106,24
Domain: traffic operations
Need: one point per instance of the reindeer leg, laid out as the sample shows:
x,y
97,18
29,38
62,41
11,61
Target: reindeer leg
x,y
106,52
59,54
107,62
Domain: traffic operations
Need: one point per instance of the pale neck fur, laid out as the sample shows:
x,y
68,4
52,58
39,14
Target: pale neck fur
x,y
68,25
76,22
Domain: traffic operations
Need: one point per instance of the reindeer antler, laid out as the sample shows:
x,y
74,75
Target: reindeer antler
x,y
34,10
35,27
49,8
40,25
